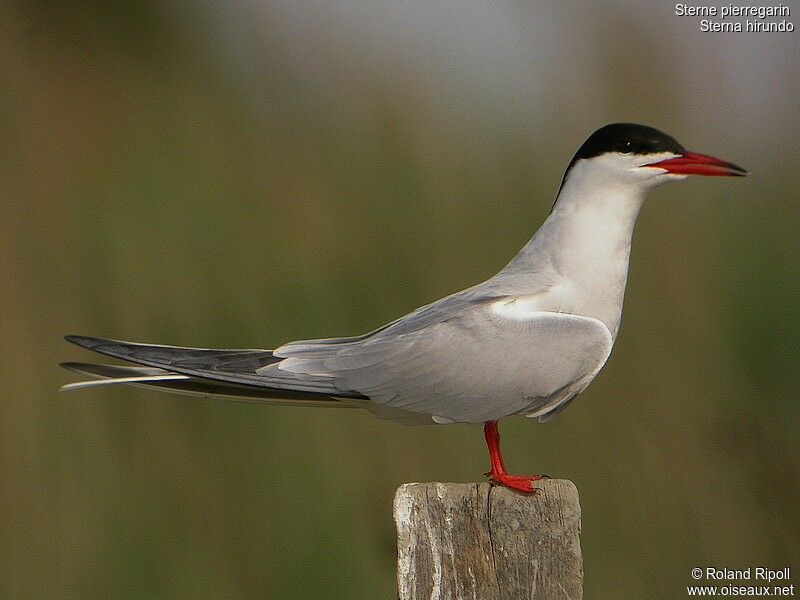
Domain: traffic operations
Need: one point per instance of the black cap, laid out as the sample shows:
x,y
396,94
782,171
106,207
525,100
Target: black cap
x,y
627,138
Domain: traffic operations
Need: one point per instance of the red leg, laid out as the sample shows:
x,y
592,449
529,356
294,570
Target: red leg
x,y
498,473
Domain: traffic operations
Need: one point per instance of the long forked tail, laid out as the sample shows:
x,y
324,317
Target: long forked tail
x,y
246,375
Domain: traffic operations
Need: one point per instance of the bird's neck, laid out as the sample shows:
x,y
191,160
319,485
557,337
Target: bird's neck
x,y
585,245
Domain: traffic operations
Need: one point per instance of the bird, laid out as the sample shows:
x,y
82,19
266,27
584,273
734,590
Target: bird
x,y
527,341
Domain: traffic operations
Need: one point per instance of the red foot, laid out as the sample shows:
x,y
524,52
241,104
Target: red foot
x,y
520,483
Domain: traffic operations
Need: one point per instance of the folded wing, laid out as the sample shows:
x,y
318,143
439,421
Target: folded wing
x,y
475,365
234,373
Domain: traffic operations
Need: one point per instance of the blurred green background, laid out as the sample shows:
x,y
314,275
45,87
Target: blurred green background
x,y
240,174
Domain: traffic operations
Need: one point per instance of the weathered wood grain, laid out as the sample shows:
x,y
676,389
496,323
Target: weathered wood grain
x,y
476,541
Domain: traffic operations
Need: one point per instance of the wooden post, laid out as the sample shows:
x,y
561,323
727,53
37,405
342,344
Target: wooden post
x,y
460,541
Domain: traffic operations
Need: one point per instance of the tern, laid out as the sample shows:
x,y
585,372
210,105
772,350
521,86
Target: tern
x,y
526,341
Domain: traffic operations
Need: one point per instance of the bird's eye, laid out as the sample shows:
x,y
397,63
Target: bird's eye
x,y
627,148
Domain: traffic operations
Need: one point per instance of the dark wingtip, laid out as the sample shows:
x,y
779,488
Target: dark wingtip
x,y
83,341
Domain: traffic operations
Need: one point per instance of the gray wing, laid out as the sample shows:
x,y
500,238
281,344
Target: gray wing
x,y
470,363
206,367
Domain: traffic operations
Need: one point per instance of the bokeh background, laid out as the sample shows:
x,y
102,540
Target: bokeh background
x,y
241,173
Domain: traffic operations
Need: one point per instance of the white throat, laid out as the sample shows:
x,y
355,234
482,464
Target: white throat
x,y
584,245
